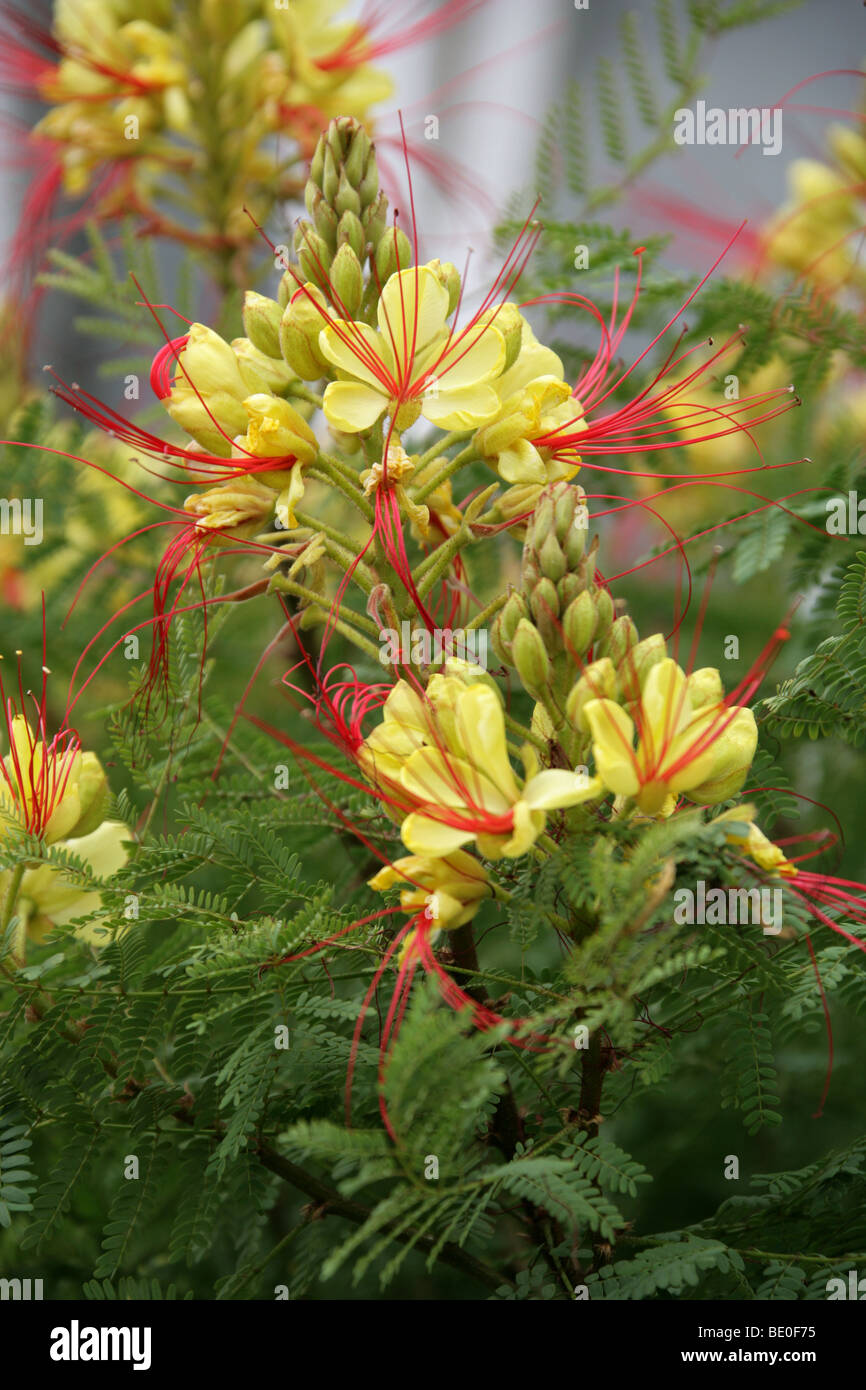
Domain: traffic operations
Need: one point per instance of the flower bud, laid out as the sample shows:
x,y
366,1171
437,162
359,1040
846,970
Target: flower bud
x,y
544,603
578,625
392,254
347,281
734,750
261,318
530,658
375,220
505,626
619,640
605,610
598,682
705,687
350,232
207,392
303,320
260,372
638,663
314,256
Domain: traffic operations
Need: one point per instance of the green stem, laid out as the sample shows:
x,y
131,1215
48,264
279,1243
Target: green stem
x,y
440,447
444,473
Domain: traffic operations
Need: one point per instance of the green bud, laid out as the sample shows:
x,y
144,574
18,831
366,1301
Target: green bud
x,y
544,602
551,560
288,285
261,318
375,220
638,663
578,624
392,254
314,256
598,682
605,610
357,157
330,179
348,199
351,233
317,165
619,640
369,185
568,588
505,626
326,219
347,281
530,657
301,324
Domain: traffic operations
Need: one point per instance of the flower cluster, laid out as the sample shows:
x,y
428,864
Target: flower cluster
x,y
357,444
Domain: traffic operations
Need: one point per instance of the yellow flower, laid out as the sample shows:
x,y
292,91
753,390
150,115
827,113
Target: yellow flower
x,y
208,392
51,790
413,364
754,842
238,508
441,760
513,442
688,741
49,899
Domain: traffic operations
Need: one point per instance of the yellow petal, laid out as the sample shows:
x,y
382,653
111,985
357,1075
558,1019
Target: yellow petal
x,y
413,309
422,835
461,409
481,727
554,788
351,407
613,735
